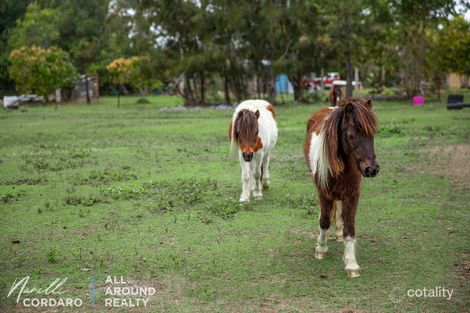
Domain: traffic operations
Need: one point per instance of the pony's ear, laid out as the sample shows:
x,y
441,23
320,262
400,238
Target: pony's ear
x,y
257,114
369,103
348,108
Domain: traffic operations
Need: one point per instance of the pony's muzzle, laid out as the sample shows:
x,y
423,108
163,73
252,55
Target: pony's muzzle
x,y
372,171
247,156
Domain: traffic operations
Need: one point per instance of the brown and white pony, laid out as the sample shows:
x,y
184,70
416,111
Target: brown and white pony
x,y
334,95
339,150
253,132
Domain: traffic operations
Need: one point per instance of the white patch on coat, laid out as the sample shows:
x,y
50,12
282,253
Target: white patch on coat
x,y
350,254
322,242
318,158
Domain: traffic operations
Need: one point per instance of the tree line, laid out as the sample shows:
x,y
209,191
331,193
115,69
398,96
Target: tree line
x,y
223,50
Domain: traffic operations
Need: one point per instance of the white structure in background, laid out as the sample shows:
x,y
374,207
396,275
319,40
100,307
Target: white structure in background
x,y
343,83
13,102
58,96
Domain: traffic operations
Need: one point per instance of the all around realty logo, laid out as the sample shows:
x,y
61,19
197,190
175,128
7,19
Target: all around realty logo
x,y
120,293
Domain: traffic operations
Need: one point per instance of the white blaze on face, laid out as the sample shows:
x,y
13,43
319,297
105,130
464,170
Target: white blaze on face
x,y
318,158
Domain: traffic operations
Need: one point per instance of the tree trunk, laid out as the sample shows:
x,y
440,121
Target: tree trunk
x,y
296,81
349,74
86,90
463,80
203,91
236,89
413,59
188,94
347,50
270,88
226,90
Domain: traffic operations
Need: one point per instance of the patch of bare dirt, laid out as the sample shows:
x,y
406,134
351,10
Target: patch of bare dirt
x,y
462,268
453,162
302,232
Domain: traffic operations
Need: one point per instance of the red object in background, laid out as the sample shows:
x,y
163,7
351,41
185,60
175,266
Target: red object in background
x,y
316,82
418,100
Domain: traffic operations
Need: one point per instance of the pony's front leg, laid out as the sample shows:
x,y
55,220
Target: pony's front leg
x,y
324,219
266,172
349,216
245,196
256,170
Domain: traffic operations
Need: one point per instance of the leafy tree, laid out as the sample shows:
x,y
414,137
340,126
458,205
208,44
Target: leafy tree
x,y
413,19
301,48
452,48
41,71
132,71
181,26
38,27
379,49
347,24
120,69
82,26
80,30
10,11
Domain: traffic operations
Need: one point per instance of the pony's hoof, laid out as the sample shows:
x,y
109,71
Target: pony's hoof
x,y
257,195
339,238
319,255
353,273
266,184
244,200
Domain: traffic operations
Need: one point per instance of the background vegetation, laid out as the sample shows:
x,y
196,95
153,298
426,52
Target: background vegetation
x,y
225,51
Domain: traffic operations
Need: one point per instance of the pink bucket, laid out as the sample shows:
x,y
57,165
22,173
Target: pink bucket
x,y
418,100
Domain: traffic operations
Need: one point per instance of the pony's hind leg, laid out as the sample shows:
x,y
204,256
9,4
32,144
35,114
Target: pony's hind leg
x,y
326,207
265,172
256,169
339,221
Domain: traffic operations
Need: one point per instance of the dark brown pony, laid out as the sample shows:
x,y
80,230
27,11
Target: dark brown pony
x,y
339,150
335,95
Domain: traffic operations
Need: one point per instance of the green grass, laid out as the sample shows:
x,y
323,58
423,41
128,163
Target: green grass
x,y
151,195
154,101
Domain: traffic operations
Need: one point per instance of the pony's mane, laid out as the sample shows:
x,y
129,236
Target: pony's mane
x,y
245,125
360,111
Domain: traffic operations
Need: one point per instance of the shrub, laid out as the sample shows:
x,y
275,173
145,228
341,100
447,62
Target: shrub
x,y
41,71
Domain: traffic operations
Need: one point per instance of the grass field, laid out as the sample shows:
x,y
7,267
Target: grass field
x,y
149,194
